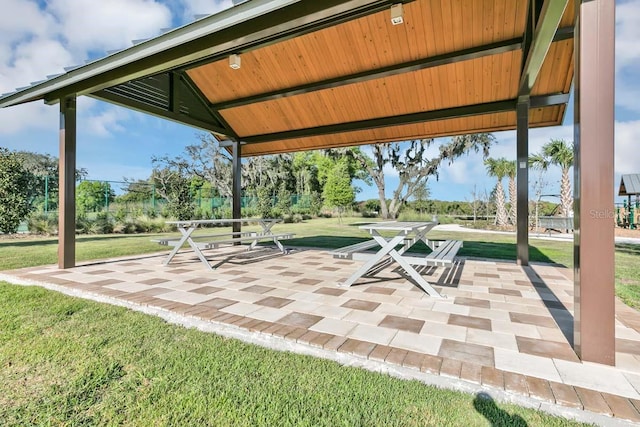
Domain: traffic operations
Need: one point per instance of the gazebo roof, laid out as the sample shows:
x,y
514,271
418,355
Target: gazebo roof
x,y
629,185
339,73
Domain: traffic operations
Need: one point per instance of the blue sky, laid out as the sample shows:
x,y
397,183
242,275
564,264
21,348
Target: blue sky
x,y
39,38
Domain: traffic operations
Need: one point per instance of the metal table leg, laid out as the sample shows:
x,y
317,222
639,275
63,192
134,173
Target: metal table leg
x,y
386,247
186,237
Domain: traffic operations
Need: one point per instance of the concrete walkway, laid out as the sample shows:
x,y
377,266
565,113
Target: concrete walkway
x,y
542,236
502,329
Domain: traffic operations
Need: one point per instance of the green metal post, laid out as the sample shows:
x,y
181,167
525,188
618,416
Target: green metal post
x,y
46,194
106,196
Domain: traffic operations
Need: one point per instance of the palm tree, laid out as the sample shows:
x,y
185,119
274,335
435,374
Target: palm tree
x,y
511,174
560,153
539,162
498,168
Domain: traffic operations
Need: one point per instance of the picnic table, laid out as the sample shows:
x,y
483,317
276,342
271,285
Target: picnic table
x,y
407,235
213,241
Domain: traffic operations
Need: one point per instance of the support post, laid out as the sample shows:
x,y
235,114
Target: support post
x,y
237,186
594,244
522,176
67,184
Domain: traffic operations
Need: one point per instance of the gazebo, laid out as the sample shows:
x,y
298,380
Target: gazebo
x,y
274,76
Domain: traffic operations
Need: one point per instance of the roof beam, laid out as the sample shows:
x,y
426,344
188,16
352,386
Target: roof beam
x,y
174,93
548,100
546,28
406,119
138,105
392,70
426,116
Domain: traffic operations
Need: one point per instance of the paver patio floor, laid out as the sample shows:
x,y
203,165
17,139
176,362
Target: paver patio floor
x,y
500,326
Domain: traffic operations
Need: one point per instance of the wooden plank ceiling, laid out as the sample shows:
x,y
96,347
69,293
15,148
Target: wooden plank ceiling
x,y
339,114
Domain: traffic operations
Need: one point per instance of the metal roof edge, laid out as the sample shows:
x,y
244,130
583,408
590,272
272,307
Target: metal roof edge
x,y
191,31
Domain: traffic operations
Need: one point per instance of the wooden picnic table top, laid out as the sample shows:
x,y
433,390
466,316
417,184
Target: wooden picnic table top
x,y
196,222
405,226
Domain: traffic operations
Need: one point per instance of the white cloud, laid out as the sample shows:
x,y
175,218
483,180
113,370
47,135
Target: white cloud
x,y
89,25
627,155
28,116
203,7
33,60
22,18
39,41
627,55
106,122
627,33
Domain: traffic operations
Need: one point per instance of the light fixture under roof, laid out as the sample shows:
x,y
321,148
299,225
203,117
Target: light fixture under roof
x,y
234,61
397,14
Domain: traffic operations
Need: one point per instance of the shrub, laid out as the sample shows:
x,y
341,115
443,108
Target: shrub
x,y
40,223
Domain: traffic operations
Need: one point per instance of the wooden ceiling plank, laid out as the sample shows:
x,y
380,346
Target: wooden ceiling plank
x,y
487,20
499,19
438,26
440,60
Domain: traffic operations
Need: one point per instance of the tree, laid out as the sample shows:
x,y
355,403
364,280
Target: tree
x,y
92,196
305,171
283,204
560,153
540,163
414,169
498,168
511,171
205,160
265,202
16,186
338,191
173,183
44,169
475,202
137,191
420,197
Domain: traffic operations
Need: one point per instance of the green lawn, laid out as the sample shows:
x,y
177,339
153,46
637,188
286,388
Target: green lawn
x,y
71,362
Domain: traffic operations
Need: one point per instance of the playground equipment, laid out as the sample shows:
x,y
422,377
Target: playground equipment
x,y
628,215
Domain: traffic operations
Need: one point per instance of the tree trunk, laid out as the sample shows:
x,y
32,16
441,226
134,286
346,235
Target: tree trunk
x,y
384,210
501,210
394,209
513,195
566,201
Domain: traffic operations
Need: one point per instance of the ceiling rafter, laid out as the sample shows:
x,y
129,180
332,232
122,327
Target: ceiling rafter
x,y
546,28
426,116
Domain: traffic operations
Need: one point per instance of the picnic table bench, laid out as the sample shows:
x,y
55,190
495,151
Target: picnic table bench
x,y
214,241
408,233
557,223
